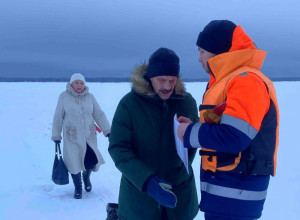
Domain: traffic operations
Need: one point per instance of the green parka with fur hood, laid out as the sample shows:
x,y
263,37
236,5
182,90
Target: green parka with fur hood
x,y
142,144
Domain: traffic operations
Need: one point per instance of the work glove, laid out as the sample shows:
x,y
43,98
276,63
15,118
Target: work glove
x,y
161,192
57,141
211,117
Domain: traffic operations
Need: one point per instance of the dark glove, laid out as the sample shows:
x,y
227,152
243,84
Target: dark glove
x,y
160,191
107,135
57,141
211,117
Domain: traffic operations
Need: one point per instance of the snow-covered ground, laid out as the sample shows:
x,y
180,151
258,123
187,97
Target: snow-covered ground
x,y
27,153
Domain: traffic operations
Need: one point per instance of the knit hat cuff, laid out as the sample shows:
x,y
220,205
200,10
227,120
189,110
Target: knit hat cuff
x,y
77,76
163,69
211,45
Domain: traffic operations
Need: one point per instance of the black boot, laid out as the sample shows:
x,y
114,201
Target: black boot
x,y
78,186
112,209
86,180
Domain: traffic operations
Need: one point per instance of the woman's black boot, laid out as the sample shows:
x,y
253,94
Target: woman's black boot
x,y
78,185
86,180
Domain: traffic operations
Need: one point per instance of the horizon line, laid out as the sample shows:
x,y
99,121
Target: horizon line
x,y
115,79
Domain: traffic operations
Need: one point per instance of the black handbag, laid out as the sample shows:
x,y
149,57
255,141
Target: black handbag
x,y
60,175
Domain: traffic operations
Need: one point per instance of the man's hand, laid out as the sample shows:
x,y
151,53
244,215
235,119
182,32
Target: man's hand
x,y
181,130
211,117
183,119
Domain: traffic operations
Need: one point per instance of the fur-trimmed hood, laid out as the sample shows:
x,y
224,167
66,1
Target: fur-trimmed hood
x,y
143,87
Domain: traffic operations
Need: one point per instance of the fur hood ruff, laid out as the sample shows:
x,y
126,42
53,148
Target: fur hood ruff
x,y
143,87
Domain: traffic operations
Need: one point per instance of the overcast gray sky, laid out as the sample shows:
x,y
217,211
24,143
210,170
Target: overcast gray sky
x,y
52,38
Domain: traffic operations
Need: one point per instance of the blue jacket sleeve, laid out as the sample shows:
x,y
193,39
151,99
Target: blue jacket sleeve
x,y
219,137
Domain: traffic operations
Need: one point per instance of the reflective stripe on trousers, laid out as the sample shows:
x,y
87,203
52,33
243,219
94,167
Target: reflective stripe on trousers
x,y
211,216
233,193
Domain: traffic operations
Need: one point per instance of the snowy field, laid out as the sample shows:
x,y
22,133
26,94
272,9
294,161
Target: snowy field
x,y
27,153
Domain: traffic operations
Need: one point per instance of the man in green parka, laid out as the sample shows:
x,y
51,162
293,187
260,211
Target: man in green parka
x,y
155,184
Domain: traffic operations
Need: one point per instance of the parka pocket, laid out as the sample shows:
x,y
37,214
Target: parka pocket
x,y
71,132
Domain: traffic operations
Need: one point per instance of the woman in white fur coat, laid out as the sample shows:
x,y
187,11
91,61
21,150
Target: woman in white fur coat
x,y
76,113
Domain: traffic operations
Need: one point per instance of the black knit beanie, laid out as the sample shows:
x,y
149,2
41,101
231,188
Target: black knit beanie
x,y
216,37
163,62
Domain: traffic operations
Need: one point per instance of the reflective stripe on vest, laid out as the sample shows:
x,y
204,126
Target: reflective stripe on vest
x,y
233,193
239,124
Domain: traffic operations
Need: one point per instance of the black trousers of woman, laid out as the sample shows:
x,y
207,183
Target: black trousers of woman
x,y
90,159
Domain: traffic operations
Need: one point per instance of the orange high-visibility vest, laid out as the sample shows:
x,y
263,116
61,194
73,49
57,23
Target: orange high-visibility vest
x,y
217,94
